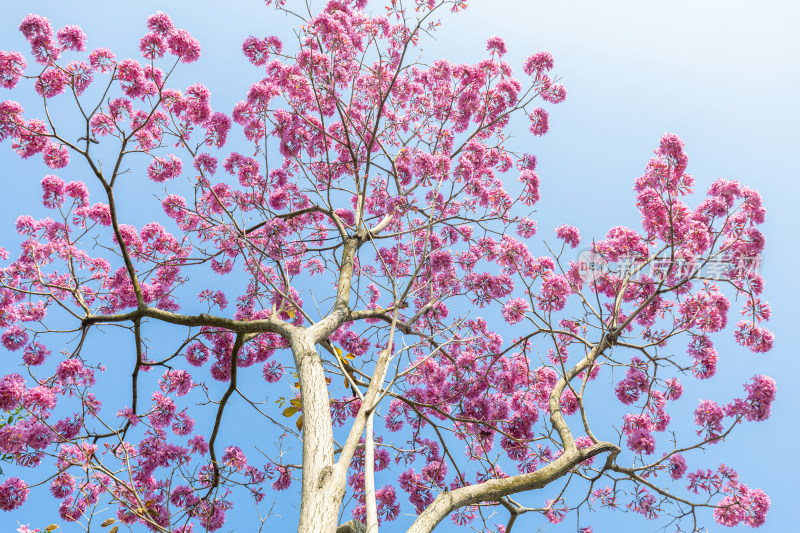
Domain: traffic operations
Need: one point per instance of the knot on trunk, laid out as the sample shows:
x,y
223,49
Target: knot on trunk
x,y
353,526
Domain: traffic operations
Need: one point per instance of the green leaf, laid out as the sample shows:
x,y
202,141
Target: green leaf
x,y
289,411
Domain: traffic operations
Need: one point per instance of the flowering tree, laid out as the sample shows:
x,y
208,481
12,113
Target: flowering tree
x,y
373,236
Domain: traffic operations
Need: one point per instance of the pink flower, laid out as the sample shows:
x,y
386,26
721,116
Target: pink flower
x,y
555,93
273,371
12,66
234,458
177,381
197,354
756,338
160,23
514,310
73,372
526,228
677,466
641,441
217,128
163,410
183,424
162,169
102,59
538,63
708,416
198,445
760,395
62,486
14,338
540,121
674,389
35,354
496,44
530,182
184,46
33,26
56,156
54,190
72,38
554,513
569,234
284,478
12,387
258,51
152,46
13,494
553,294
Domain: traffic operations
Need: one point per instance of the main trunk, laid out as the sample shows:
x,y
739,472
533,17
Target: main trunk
x,y
322,488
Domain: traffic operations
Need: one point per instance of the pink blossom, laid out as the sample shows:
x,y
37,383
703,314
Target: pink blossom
x,y
234,458
530,182
72,38
569,234
708,416
183,424
13,493
152,46
14,338
35,354
538,63
514,310
162,169
526,228
217,128
556,510
102,59
74,372
641,441
177,381
12,387
554,93
674,389
198,445
184,46
760,394
496,44
33,26
12,66
284,478
56,156
163,410
258,51
540,121
677,466
273,371
756,338
40,400
160,23
62,486
553,294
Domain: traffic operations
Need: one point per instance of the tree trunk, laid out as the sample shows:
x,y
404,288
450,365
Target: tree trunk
x,y
322,486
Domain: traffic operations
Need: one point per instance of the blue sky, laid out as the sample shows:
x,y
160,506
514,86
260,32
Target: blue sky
x,y
723,75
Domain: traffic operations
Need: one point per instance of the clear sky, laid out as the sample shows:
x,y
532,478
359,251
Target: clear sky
x,y
722,74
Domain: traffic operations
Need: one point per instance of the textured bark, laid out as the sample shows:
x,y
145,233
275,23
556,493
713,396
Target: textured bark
x,y
494,489
353,526
322,485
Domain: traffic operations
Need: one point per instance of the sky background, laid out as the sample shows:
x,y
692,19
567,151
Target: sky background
x,y
723,75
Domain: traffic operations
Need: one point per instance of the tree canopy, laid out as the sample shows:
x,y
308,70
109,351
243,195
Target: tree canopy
x,y
356,270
